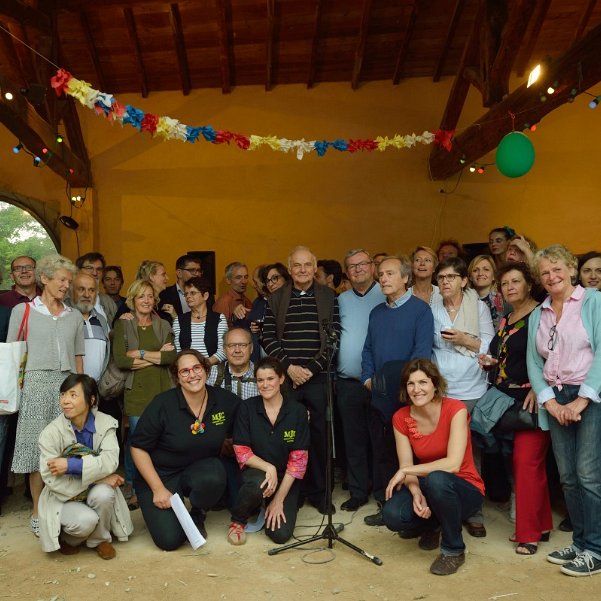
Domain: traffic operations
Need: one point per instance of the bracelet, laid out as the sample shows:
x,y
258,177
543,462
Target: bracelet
x,y
142,351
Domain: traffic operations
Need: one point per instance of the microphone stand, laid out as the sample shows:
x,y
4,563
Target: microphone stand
x,y
330,532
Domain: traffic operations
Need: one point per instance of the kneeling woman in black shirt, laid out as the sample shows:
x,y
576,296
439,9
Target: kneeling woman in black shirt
x,y
271,438
176,448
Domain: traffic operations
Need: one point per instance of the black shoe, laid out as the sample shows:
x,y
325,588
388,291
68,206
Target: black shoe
x,y
198,517
321,506
429,540
566,524
353,504
376,519
408,534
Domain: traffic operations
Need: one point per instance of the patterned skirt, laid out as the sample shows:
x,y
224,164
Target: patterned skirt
x,y
40,404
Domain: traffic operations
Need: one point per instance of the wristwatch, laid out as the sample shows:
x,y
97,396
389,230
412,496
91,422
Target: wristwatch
x,y
142,351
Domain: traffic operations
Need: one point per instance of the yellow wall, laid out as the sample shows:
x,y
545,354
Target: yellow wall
x,y
158,199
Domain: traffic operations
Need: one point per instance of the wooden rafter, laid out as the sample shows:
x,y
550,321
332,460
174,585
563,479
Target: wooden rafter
x,y
85,25
361,42
402,55
9,49
26,15
315,42
225,62
584,19
269,44
19,117
454,21
537,24
579,68
130,21
175,19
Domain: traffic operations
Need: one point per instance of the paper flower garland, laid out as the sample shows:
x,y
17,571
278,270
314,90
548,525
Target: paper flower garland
x,y
171,129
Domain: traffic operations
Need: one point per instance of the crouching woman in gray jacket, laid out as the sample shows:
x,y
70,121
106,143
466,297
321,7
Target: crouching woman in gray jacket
x,y
79,454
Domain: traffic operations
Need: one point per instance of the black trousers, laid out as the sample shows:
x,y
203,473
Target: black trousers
x,y
250,499
385,461
353,401
203,482
313,396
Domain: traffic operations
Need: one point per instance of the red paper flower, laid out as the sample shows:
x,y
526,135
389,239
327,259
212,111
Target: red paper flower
x,y
60,80
444,138
149,123
355,145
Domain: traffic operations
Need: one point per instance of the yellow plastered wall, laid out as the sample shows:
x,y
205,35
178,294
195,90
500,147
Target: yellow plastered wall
x,y
155,199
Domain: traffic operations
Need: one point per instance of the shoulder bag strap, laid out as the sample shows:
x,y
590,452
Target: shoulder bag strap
x,y
23,328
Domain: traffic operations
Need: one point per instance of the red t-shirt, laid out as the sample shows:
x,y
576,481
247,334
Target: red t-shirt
x,y
430,447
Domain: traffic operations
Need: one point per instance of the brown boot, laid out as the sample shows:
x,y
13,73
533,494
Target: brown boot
x,y
106,550
67,549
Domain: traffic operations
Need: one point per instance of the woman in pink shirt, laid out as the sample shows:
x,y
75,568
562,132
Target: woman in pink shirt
x,y
435,496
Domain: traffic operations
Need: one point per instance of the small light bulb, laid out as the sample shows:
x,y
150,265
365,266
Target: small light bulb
x,y
472,168
462,160
594,102
480,170
59,138
533,127
36,161
8,95
550,90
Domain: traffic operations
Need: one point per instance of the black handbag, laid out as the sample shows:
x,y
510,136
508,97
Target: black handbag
x,y
516,419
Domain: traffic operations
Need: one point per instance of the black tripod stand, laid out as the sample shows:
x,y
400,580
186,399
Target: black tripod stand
x,y
330,532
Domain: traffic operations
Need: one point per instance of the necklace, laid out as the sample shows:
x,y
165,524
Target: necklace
x,y
197,427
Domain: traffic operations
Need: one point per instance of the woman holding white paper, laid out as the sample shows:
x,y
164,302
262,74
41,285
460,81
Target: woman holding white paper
x,y
177,448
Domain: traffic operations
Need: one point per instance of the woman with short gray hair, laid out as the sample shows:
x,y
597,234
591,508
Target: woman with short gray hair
x,y
55,348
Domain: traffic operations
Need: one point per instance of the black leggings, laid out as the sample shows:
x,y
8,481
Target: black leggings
x,y
203,482
250,499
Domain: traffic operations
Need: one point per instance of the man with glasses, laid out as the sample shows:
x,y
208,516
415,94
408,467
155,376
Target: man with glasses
x,y
352,397
299,318
93,264
24,289
186,267
237,373
399,330
234,304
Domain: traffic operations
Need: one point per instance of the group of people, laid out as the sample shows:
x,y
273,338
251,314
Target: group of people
x,y
225,398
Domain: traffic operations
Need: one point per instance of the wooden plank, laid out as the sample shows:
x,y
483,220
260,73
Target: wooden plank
x,y
315,42
180,47
8,45
584,19
224,18
361,41
578,68
19,117
537,24
26,15
402,55
85,25
269,44
454,21
133,34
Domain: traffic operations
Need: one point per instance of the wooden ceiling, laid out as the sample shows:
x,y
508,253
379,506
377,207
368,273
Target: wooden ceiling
x,y
146,46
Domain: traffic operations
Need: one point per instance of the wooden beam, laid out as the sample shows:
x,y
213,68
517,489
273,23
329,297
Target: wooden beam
x,y
73,130
578,68
225,62
459,5
361,42
175,19
315,42
584,19
19,117
85,25
9,50
25,15
401,57
269,44
537,24
130,21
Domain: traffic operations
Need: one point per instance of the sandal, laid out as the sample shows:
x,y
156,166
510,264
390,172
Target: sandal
x,y
531,548
35,526
544,537
132,503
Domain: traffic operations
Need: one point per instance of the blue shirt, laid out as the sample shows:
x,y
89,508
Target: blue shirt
x,y
86,438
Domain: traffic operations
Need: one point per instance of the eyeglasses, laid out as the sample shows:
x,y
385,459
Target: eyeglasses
x,y
552,338
273,279
23,268
193,270
447,277
361,265
189,293
186,372
241,345
92,269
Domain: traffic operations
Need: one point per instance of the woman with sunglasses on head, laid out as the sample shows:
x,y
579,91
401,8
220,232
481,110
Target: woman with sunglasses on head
x,y
564,367
177,446
463,330
498,243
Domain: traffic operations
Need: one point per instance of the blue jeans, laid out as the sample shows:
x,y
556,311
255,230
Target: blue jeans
x,y
451,500
577,450
128,463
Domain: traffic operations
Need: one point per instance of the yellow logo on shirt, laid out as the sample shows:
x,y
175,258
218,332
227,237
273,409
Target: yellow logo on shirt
x,y
289,435
218,419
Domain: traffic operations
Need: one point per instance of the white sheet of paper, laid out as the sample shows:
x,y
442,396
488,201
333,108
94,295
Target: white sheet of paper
x,y
194,536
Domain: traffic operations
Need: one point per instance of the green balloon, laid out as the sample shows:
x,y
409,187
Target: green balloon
x,y
515,155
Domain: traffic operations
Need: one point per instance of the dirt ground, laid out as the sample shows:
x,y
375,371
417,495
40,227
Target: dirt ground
x,y
219,571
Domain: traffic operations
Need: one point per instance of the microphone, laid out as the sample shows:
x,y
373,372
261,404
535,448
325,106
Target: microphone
x,y
330,331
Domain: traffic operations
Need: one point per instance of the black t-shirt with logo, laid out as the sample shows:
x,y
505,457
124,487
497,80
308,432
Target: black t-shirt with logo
x,y
164,432
273,444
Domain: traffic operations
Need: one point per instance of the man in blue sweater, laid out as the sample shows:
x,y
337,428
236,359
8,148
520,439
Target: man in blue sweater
x,y
399,330
352,397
